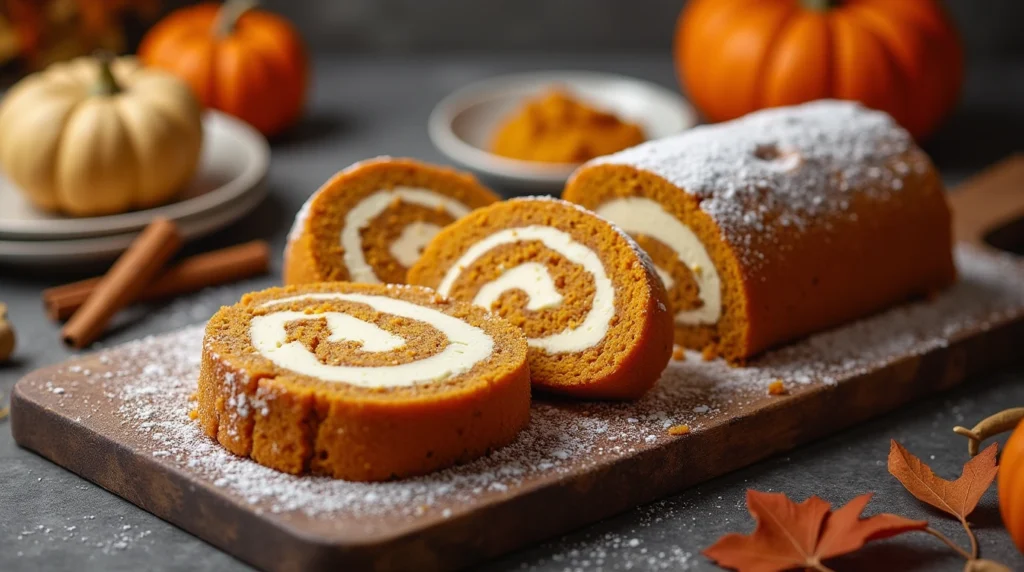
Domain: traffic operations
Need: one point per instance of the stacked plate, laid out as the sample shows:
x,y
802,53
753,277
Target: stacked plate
x,y
228,184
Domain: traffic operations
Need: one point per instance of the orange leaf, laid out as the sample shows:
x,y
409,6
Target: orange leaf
x,y
790,535
959,497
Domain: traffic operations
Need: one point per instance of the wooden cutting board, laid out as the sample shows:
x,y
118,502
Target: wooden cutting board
x,y
120,419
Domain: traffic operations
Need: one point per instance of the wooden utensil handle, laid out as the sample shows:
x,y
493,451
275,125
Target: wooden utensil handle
x,y
989,200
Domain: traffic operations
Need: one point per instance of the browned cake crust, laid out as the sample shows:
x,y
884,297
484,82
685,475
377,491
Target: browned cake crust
x,y
592,308
811,216
401,202
382,422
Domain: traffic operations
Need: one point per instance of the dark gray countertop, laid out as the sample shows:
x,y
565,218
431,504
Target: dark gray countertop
x,y
52,520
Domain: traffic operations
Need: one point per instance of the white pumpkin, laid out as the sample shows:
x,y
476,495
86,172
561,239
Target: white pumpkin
x,y
94,136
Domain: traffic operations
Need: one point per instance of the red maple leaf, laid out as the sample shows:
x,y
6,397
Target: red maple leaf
x,y
790,535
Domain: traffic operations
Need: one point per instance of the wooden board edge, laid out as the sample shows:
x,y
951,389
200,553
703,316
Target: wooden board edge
x,y
568,505
564,505
173,497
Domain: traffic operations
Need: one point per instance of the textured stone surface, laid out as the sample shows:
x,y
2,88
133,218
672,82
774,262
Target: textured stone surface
x,y
366,107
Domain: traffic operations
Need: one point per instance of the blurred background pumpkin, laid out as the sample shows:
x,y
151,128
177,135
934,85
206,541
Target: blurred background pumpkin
x,y
238,59
732,56
903,57
907,57
35,33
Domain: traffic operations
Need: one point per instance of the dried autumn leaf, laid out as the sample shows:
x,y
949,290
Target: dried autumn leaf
x,y
959,497
790,535
845,531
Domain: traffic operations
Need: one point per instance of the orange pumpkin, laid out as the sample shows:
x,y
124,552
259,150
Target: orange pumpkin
x,y
900,56
249,63
1011,486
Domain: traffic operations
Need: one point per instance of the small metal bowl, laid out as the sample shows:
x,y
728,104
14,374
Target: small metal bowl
x,y
462,124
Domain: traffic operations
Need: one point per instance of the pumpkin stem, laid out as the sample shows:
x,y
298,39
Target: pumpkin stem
x,y
999,423
106,83
819,5
229,14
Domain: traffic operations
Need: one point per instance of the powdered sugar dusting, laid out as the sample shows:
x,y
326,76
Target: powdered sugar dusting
x,y
123,537
787,167
662,547
158,405
146,387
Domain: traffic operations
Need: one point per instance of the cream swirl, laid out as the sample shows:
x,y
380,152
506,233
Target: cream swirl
x,y
409,245
535,280
467,344
638,215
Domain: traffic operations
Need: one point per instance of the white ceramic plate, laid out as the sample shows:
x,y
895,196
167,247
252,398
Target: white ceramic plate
x,y
233,164
462,124
92,250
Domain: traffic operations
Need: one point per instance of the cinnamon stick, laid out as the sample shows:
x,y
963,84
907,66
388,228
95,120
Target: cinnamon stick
x,y
189,275
124,282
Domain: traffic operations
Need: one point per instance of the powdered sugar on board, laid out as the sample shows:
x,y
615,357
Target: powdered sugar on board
x,y
146,386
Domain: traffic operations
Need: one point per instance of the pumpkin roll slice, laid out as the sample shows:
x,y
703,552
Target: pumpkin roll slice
x,y
370,222
594,312
780,224
365,382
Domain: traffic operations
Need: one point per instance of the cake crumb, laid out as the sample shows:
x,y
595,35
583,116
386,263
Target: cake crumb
x,y
679,430
678,353
777,387
709,353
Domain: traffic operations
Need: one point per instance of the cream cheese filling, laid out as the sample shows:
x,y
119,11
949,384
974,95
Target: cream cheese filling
x,y
467,344
639,215
409,245
535,280
411,241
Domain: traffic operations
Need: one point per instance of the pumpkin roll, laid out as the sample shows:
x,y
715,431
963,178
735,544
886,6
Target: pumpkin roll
x,y
370,222
780,224
364,382
594,312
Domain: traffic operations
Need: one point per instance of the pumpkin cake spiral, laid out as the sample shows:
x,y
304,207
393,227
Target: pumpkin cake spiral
x,y
363,382
594,312
780,224
370,222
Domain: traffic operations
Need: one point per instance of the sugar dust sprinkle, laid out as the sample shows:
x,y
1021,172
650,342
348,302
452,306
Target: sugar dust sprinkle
x,y
145,387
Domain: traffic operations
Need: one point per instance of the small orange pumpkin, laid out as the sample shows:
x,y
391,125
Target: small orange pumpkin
x,y
246,62
900,56
1011,486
